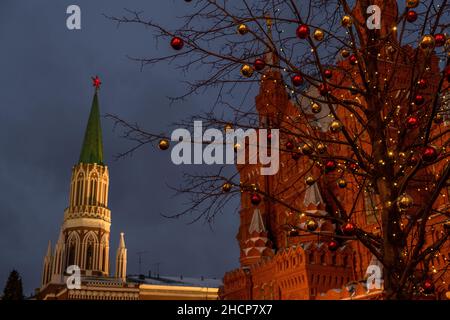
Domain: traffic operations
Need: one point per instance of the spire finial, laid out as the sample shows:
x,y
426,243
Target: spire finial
x,y
96,82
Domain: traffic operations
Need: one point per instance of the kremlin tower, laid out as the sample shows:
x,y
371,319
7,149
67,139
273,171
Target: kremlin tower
x,y
85,232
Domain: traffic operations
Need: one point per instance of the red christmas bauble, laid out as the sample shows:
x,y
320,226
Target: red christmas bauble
x,y
422,84
412,161
429,154
412,122
439,39
302,31
177,43
296,155
349,229
297,80
428,286
333,245
419,99
353,167
411,16
255,199
323,89
269,136
289,145
328,73
353,59
259,64
330,165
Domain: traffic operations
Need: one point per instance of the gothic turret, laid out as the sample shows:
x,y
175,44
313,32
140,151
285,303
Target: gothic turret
x,y
121,259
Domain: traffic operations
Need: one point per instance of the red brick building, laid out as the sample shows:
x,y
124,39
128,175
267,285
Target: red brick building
x,y
278,264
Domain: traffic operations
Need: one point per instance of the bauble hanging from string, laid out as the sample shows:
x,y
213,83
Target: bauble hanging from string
x,y
412,3
439,39
330,165
289,145
412,122
255,199
333,245
318,35
422,83
419,99
349,229
335,126
163,144
310,180
297,80
316,108
353,59
259,64
342,183
428,286
404,202
345,53
411,16
226,187
429,154
246,71
321,148
302,31
311,225
177,43
427,42
307,149
242,29
346,21
328,74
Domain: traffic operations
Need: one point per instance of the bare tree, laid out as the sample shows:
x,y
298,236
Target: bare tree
x,y
361,110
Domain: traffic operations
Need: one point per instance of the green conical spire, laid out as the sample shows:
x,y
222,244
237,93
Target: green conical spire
x,y
92,150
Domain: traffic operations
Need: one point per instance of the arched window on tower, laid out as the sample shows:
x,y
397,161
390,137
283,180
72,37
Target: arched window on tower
x,y
71,252
89,255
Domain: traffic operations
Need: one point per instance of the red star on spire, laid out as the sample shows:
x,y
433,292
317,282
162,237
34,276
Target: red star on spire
x,y
96,82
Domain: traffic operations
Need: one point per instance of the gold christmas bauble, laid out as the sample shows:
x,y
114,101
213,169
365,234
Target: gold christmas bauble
x,y
242,29
247,71
226,187
404,202
237,146
310,180
321,148
346,21
402,155
318,35
427,42
316,108
412,3
228,126
342,183
335,126
345,53
390,154
311,225
164,144
306,149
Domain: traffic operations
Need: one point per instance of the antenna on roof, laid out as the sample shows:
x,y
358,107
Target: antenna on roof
x,y
140,253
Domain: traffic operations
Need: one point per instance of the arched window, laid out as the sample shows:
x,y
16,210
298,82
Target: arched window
x,y
89,242
71,252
